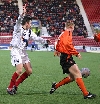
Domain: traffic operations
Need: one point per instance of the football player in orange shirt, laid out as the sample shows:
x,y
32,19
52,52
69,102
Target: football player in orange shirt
x,y
66,49
97,37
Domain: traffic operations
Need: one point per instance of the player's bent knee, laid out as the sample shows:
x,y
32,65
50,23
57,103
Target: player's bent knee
x,y
29,72
19,72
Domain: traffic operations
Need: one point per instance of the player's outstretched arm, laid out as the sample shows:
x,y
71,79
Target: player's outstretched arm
x,y
21,16
24,11
34,37
19,20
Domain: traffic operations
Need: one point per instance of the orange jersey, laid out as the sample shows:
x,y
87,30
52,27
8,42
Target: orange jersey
x,y
98,37
64,43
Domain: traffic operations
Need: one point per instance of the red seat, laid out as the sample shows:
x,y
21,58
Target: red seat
x,y
92,8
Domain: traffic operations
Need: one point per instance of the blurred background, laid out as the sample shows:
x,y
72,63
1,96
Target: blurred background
x,y
49,17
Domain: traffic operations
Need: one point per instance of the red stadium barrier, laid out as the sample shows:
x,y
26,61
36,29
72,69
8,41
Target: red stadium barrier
x,y
5,34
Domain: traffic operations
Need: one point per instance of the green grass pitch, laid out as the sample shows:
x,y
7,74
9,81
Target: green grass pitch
x,y
46,69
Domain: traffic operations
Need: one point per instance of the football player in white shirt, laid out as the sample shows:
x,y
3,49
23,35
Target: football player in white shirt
x,y
19,58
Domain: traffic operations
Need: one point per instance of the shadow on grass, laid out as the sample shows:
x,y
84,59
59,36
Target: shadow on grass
x,y
3,91
47,93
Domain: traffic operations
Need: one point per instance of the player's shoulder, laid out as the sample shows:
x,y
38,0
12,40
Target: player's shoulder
x,y
61,33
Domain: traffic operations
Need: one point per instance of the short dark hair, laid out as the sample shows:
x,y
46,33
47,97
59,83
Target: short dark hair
x,y
26,19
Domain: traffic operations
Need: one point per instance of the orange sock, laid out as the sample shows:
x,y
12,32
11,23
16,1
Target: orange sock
x,y
81,85
63,82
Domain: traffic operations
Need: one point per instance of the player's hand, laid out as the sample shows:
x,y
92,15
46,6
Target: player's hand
x,y
79,56
56,53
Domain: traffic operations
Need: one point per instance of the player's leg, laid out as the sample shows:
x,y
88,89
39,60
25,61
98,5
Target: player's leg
x,y
66,64
47,47
14,78
27,67
78,78
64,81
28,71
74,70
31,49
17,62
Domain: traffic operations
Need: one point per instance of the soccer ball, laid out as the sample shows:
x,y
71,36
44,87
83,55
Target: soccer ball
x,y
85,72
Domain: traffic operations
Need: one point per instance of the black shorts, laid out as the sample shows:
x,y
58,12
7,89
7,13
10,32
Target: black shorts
x,y
46,45
66,62
32,46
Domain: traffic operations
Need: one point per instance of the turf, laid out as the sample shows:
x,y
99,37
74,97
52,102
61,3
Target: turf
x,y
46,69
